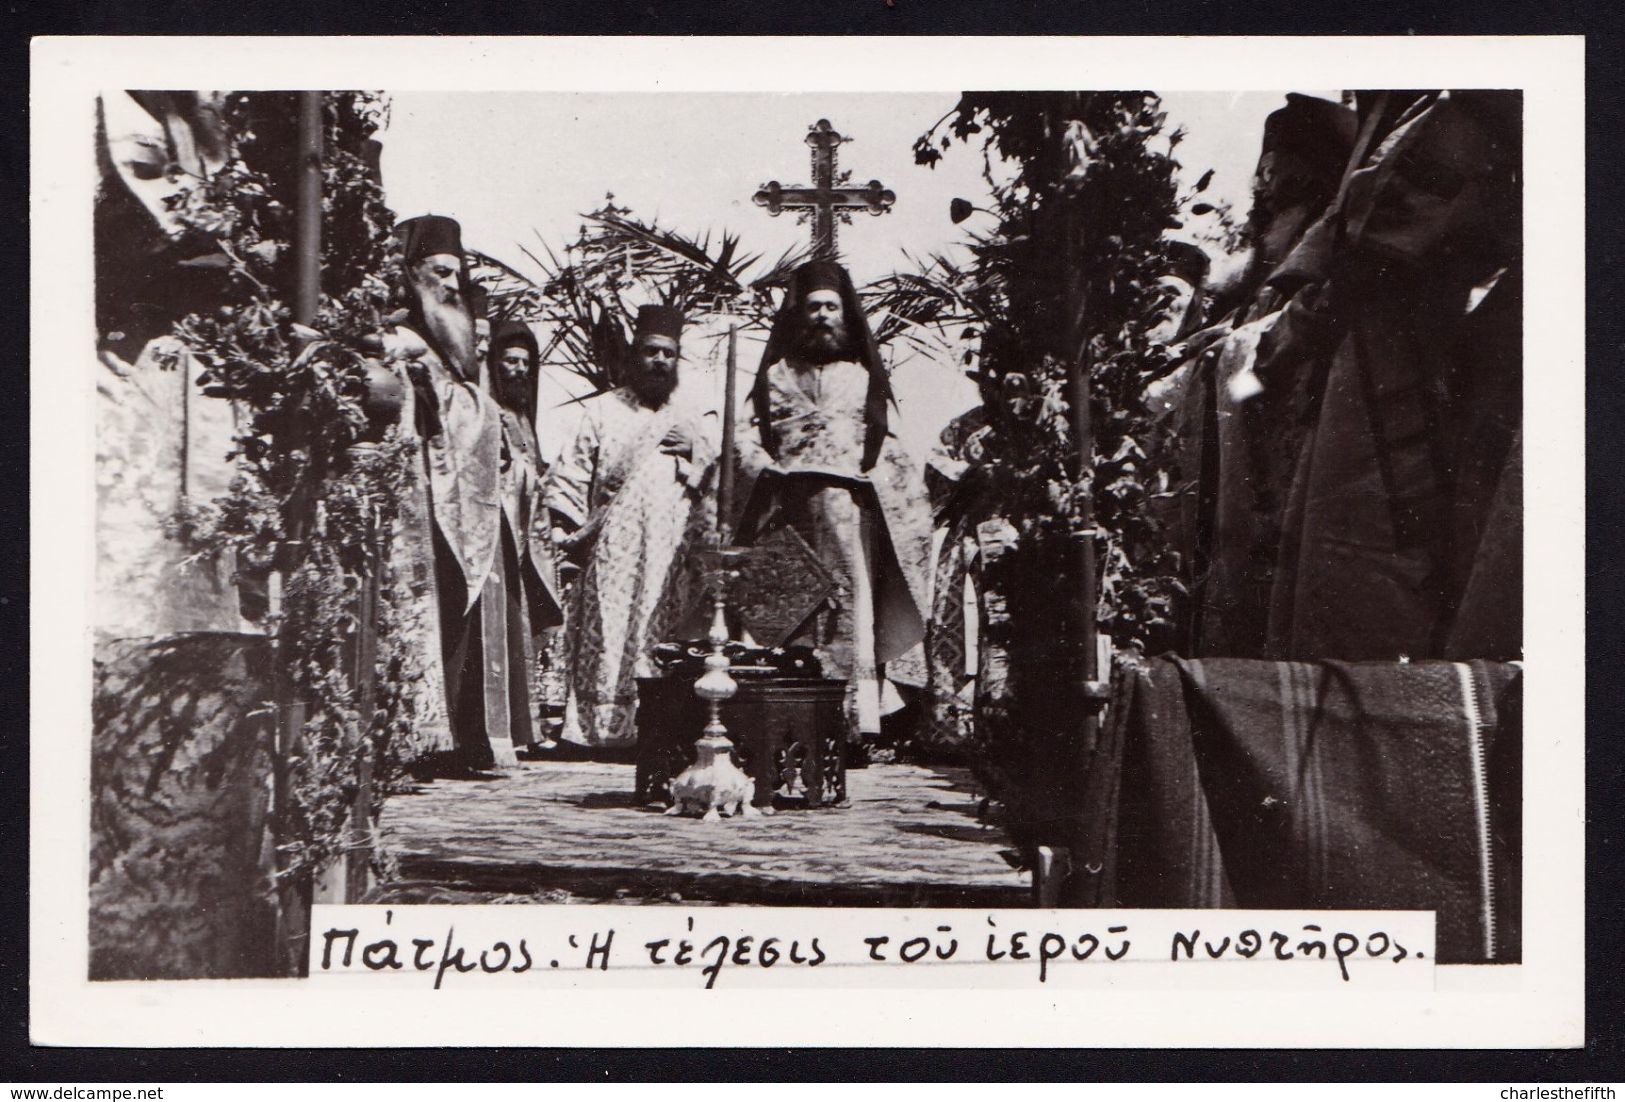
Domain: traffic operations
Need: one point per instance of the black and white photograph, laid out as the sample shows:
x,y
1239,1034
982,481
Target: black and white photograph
x,y
984,502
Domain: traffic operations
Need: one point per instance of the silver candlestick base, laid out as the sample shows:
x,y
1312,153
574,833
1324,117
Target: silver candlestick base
x,y
714,786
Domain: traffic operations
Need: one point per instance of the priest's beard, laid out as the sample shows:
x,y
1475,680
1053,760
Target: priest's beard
x,y
510,390
448,322
824,342
653,386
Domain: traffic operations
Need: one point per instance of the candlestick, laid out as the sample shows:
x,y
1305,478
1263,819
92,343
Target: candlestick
x,y
714,785
725,476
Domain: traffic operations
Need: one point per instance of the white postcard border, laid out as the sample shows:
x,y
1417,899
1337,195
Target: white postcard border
x,y
1536,1004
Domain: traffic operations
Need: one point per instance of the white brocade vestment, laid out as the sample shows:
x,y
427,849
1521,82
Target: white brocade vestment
x,y
161,445
461,441
647,516
411,576
871,529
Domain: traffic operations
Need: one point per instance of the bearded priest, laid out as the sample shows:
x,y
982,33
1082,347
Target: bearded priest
x,y
533,603
823,462
629,505
460,427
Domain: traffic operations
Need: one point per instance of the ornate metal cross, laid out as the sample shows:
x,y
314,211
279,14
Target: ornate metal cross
x,y
824,199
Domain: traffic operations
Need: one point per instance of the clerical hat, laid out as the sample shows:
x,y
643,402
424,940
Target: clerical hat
x,y
1186,260
479,300
1317,131
513,331
430,235
659,321
821,275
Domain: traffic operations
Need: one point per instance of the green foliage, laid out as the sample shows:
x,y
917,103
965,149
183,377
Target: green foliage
x,y
1081,219
312,501
1069,275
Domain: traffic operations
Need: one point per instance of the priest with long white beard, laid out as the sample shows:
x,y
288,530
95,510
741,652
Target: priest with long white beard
x,y
825,463
460,427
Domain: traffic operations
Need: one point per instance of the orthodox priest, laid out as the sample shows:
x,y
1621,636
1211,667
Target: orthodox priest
x,y
531,592
825,464
629,509
1396,361
461,430
961,499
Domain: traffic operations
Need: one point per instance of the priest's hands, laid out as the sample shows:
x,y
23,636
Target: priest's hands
x,y
677,441
828,475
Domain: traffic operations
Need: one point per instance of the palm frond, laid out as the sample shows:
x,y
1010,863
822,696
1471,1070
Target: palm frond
x,y
940,308
486,260
778,273
585,300
512,293
935,294
671,253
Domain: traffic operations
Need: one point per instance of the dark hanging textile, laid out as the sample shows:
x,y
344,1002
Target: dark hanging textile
x,y
1489,617
1331,785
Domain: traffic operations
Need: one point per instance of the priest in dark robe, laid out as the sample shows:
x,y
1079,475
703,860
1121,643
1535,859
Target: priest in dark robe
x,y
532,598
1396,367
1222,510
461,430
823,462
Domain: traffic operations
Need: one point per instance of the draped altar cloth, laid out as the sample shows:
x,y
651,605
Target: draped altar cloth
x,y
1250,784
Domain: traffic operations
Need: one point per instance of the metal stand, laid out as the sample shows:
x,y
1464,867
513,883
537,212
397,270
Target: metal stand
x,y
714,786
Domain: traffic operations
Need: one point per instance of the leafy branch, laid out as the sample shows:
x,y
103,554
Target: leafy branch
x,y
306,477
1071,273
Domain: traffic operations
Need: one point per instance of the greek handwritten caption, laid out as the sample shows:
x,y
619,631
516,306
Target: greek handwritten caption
x,y
440,947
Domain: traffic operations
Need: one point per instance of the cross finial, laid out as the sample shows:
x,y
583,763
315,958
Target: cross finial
x,y
825,200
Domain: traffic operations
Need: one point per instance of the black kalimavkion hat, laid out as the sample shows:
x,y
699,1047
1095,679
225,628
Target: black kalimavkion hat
x,y
430,235
513,331
821,275
659,321
1186,261
1318,133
